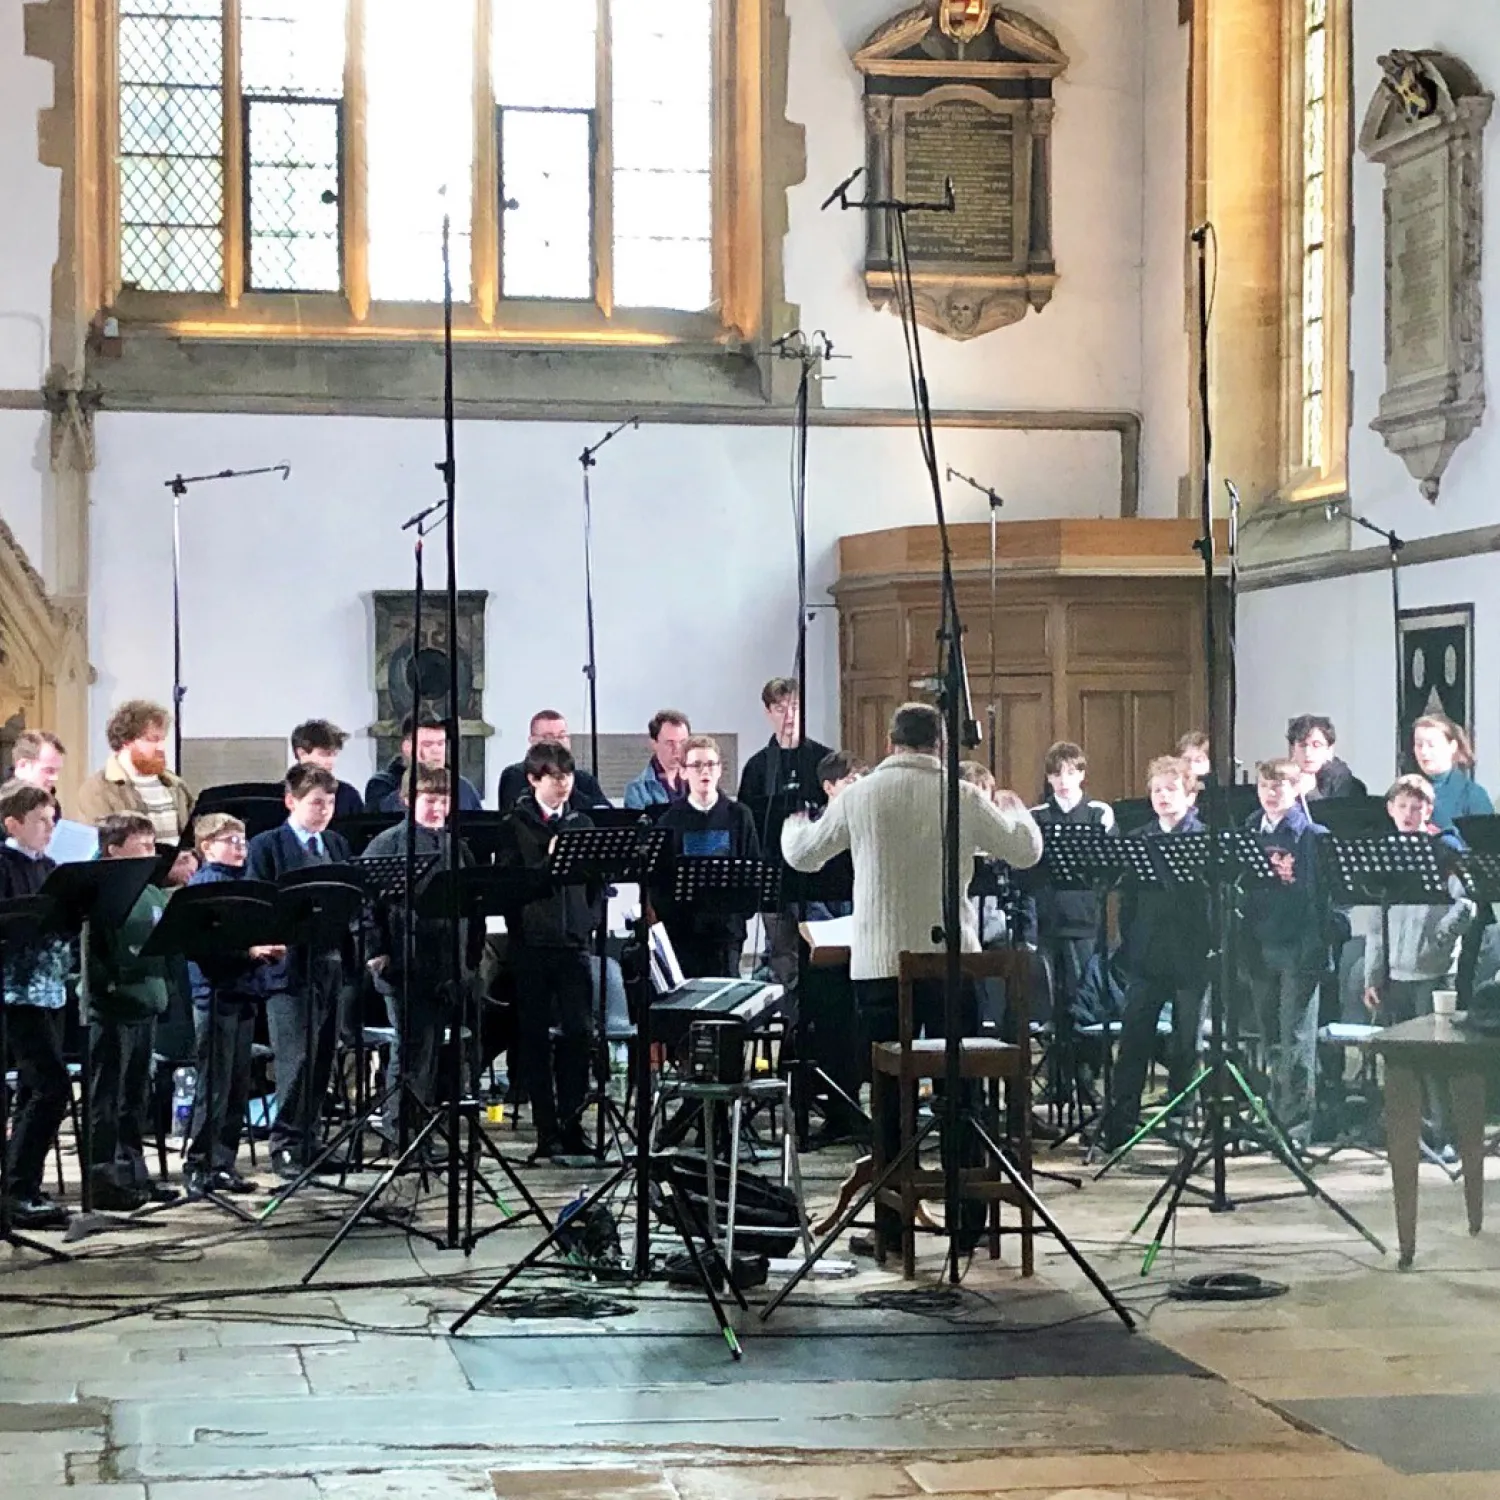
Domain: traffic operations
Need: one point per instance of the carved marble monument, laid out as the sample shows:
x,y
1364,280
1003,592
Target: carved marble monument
x,y
398,661
962,89
1425,126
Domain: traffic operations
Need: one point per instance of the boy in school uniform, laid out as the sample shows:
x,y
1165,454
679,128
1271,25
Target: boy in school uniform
x,y
317,742
1164,956
1423,940
707,943
127,993
292,985
1411,950
548,944
226,992
1067,922
36,995
428,996
1286,936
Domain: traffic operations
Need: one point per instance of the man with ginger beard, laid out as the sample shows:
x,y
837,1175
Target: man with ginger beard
x,y
135,778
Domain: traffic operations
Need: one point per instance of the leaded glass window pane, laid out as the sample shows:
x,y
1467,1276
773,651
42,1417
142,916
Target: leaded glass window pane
x,y
420,145
171,62
662,111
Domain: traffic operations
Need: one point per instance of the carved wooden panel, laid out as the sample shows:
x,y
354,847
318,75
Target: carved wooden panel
x,y
1111,660
1123,727
1023,730
1142,633
871,638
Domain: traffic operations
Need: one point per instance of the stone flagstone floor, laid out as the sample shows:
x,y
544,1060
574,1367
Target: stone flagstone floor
x,y
352,1388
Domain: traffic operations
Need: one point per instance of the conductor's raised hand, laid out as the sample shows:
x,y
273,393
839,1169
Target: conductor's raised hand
x,y
1010,802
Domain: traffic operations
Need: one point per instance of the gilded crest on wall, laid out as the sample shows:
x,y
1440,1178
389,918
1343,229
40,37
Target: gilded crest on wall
x,y
962,90
963,20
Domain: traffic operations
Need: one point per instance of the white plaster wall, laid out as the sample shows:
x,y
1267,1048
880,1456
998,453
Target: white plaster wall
x,y
28,247
694,562
694,551
1084,349
1165,407
1327,647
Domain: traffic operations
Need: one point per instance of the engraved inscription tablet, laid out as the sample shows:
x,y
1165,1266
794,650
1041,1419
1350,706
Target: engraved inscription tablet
x,y
1419,269
962,93
1425,126
976,147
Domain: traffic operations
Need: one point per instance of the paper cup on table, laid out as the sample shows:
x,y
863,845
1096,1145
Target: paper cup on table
x,y
1444,1002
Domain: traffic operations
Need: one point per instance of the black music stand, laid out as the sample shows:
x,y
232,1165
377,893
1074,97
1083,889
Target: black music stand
x,y
98,890
578,860
1080,857
1386,868
628,855
834,883
316,906
360,829
204,923
384,878
20,918
1182,862
481,890
1232,1110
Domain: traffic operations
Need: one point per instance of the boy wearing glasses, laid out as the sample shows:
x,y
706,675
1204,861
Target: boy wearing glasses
x,y
708,943
224,997
548,944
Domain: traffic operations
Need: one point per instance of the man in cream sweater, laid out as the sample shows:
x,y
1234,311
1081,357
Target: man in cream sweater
x,y
891,822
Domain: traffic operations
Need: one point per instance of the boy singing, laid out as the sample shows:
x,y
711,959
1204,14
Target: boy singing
x,y
1164,956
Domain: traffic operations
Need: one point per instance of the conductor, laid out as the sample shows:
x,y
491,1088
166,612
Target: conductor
x,y
891,822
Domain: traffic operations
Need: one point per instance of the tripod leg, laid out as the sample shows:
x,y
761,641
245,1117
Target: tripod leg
x,y
720,1316
1288,1159
538,1250
367,1202
1014,1176
499,1157
849,1215
1167,1110
1177,1182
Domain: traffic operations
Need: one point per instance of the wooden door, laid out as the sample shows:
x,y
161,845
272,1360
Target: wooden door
x,y
1123,725
1023,710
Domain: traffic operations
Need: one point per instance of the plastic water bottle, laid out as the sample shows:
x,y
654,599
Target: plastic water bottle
x,y
619,1070
184,1087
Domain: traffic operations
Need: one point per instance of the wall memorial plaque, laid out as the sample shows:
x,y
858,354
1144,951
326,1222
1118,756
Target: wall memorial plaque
x,y
1425,125
962,90
400,663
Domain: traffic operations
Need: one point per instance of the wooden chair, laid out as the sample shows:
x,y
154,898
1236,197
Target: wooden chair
x,y
902,1064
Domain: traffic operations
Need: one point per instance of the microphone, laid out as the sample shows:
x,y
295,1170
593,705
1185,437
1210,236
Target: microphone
x,y
840,190
286,472
1199,235
1332,510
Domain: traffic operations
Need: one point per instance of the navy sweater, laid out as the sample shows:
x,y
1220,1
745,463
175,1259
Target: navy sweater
x,y
1288,921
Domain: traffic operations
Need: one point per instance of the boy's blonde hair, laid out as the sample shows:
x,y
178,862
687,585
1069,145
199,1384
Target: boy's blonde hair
x,y
1412,786
1171,768
215,825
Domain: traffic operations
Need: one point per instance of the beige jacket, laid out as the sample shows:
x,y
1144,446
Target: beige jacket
x,y
111,790
891,822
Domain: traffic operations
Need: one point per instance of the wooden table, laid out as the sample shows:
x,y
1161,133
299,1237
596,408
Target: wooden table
x,y
1433,1047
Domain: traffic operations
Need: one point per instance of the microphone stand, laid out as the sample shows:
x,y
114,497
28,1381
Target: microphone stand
x,y
992,709
955,1117
587,461
1394,544
179,487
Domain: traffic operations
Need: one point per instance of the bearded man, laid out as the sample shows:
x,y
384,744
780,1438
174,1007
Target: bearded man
x,y
135,778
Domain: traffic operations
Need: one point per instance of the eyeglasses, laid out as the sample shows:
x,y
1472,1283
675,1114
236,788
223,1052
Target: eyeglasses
x,y
234,840
701,765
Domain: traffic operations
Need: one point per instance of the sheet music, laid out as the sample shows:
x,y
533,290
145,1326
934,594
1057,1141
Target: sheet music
x,y
836,932
73,843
